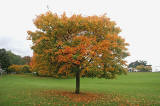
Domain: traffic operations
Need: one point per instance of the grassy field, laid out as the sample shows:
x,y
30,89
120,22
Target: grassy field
x,y
132,89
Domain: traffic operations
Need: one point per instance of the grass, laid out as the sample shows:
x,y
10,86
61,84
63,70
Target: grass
x,y
131,89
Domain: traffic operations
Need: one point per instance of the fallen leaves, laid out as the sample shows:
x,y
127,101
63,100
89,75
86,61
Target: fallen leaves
x,y
82,97
49,97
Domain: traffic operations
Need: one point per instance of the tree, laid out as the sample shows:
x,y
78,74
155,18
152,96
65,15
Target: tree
x,y
27,59
78,46
137,63
140,65
143,68
4,60
15,59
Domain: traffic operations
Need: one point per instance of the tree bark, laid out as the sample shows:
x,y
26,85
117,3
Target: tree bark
x,y
77,82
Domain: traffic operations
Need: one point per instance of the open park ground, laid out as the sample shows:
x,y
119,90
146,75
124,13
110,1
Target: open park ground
x,y
133,89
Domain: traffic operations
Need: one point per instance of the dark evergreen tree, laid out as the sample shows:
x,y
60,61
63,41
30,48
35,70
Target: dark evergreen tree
x,y
4,60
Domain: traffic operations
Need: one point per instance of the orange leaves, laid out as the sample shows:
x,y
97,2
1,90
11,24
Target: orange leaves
x,y
19,68
42,38
64,69
65,42
77,52
61,58
76,62
68,50
60,43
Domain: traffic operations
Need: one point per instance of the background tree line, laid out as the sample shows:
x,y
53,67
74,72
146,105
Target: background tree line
x,y
9,59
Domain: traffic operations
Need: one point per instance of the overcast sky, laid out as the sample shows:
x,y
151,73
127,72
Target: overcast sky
x,y
138,19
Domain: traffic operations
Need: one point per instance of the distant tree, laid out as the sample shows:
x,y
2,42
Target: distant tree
x,y
27,59
79,45
15,59
137,63
140,65
4,60
143,68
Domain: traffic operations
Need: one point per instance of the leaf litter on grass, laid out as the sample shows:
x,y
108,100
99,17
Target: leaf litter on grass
x,y
67,98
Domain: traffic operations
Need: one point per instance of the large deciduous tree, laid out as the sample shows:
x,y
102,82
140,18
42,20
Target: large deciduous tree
x,y
79,46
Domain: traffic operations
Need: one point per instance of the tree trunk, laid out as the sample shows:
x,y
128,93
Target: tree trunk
x,y
77,82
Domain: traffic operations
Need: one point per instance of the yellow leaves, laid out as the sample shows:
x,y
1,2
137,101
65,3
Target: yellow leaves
x,y
87,68
19,68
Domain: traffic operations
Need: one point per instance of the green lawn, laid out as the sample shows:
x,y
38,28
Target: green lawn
x,y
131,89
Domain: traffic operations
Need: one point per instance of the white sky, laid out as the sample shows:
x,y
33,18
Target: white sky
x,y
138,19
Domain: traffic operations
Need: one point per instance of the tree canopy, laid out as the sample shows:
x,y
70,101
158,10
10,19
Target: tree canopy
x,y
140,65
143,68
78,46
15,59
137,63
4,59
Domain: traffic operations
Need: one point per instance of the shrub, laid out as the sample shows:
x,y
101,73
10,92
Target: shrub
x,y
26,68
19,69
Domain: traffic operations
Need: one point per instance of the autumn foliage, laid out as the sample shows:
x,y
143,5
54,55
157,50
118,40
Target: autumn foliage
x,y
143,68
19,69
90,46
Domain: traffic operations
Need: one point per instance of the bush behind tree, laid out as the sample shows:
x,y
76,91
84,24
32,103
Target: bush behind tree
x,y
19,69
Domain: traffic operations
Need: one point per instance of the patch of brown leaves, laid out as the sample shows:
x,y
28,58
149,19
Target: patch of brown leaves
x,y
82,97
